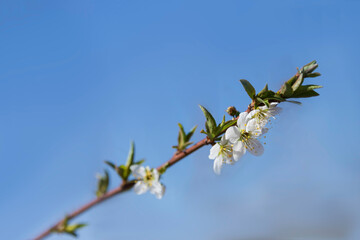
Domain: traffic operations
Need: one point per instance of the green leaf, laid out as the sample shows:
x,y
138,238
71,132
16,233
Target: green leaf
x,y
266,95
74,227
139,162
182,134
222,122
228,124
221,127
298,82
210,123
123,172
291,80
307,70
248,88
310,67
187,144
312,75
112,165
217,139
262,92
265,102
183,138
296,102
309,87
306,91
191,133
210,136
103,184
71,229
131,155
286,90
310,93
162,170
208,130
276,98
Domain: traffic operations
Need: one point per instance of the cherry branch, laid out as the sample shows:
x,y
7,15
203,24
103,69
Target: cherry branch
x,y
123,187
179,155
280,96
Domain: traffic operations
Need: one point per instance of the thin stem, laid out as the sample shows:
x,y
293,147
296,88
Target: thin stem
x,y
124,187
128,185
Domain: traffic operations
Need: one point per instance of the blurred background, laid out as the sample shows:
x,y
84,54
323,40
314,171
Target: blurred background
x,y
80,79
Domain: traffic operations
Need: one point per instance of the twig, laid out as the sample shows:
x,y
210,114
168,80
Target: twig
x,y
128,185
124,187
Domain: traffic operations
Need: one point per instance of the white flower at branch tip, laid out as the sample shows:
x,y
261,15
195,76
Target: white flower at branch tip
x,y
263,114
147,179
244,136
222,153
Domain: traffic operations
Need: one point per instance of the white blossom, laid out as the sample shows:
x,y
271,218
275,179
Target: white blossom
x,y
244,136
147,179
263,114
222,153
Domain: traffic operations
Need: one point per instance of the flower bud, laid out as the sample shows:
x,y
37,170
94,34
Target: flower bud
x,y
232,111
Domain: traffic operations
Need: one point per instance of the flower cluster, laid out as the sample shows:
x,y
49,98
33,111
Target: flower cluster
x,y
147,179
243,137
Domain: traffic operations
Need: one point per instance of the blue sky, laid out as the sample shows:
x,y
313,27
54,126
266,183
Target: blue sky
x,y
81,79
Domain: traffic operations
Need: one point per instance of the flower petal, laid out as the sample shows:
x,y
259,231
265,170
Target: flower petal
x,y
238,145
140,187
238,150
242,120
158,189
253,128
232,134
273,104
160,194
274,111
218,162
138,171
255,147
238,155
155,186
223,140
214,151
251,114
155,174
